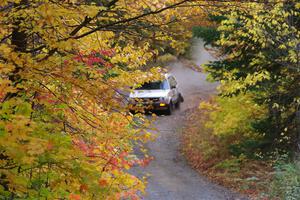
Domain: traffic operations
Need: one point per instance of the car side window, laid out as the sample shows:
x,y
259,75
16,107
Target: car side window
x,y
166,85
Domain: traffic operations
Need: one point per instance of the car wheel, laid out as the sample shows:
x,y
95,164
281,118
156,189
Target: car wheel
x,y
177,105
181,98
169,109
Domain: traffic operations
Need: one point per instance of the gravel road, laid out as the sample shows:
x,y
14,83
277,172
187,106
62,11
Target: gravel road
x,y
171,178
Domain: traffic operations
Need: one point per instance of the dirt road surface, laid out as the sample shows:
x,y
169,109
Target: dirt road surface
x,y
171,178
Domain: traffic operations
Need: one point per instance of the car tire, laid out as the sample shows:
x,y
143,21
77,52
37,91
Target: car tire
x,y
177,105
181,99
169,109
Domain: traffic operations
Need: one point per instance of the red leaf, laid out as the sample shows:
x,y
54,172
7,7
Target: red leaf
x,y
74,197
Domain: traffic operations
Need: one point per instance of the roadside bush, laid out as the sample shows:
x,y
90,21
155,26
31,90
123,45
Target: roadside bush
x,y
286,182
231,120
166,58
208,34
221,144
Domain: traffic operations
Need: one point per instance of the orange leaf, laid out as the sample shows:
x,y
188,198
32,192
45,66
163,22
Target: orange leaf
x,y
74,197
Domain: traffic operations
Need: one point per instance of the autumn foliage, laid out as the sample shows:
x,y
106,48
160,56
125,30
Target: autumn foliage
x,y
252,127
65,132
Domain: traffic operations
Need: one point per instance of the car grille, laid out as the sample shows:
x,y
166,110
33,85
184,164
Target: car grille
x,y
146,100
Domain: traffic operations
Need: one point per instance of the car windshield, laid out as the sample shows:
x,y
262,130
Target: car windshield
x,y
157,85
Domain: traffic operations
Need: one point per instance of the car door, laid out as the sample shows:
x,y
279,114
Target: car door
x,y
174,89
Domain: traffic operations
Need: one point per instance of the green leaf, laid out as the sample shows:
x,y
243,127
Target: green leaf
x,y
24,109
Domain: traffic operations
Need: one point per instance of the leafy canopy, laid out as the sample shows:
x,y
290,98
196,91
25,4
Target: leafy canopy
x,y
64,127
259,48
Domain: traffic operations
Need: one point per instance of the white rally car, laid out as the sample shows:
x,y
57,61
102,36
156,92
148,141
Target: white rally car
x,y
159,95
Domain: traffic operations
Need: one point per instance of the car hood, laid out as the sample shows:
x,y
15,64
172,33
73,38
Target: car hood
x,y
149,93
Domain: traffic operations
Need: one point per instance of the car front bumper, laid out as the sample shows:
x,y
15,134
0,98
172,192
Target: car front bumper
x,y
148,105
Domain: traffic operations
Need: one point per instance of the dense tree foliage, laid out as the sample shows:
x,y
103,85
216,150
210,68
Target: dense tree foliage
x,y
65,131
259,49
246,137
64,128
